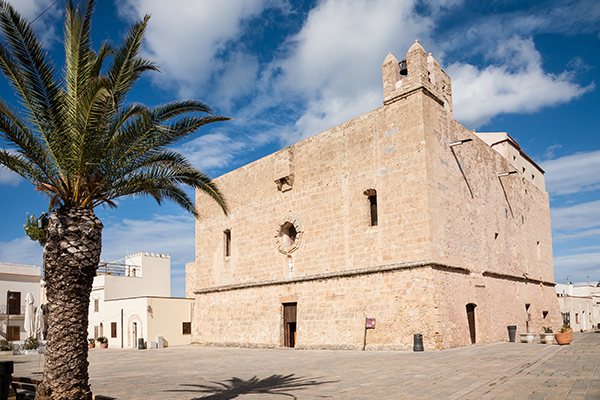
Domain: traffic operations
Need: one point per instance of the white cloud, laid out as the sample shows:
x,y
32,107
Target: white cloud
x,y
549,153
580,216
577,264
8,177
21,251
477,35
212,151
515,83
45,24
330,71
561,237
170,234
334,62
586,248
31,8
573,174
184,36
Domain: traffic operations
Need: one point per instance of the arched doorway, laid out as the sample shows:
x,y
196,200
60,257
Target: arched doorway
x,y
471,320
134,330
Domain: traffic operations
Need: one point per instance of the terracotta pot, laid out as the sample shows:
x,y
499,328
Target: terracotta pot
x,y
104,345
564,338
91,345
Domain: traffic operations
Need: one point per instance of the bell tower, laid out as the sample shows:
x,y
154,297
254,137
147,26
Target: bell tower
x,y
418,72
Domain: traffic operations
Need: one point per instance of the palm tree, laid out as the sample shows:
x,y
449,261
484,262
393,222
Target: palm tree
x,y
76,140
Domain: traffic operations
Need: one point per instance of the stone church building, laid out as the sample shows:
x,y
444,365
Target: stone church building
x,y
401,215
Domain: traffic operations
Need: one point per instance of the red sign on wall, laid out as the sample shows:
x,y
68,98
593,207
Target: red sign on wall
x,y
370,324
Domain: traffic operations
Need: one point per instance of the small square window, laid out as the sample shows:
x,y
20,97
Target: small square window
x,y
186,328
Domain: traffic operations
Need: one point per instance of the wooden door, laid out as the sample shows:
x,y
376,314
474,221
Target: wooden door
x,y
289,324
471,319
14,333
134,336
14,305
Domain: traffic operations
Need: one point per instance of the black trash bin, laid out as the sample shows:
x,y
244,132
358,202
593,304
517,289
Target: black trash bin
x,y
141,345
418,339
512,333
6,370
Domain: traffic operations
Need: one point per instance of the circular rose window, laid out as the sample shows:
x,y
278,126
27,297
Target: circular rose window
x,y
288,235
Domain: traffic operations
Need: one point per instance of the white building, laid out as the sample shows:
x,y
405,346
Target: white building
x,y
580,306
17,280
132,300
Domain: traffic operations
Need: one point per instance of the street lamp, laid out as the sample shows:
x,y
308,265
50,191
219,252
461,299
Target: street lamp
x,y
10,297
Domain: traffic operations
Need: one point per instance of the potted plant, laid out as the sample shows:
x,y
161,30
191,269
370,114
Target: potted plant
x,y
565,336
103,340
31,344
92,343
547,336
5,345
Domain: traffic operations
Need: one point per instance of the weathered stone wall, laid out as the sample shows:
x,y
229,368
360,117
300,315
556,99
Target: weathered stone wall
x,y
382,150
331,312
480,220
500,303
300,230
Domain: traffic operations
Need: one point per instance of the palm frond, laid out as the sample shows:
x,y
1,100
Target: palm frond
x,y
77,140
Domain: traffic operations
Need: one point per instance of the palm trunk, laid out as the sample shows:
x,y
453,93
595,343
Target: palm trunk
x,y
71,256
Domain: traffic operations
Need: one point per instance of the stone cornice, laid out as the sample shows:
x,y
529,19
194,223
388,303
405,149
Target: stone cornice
x,y
368,271
406,94
517,278
337,274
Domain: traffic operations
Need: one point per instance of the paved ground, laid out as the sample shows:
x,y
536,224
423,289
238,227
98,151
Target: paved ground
x,y
491,371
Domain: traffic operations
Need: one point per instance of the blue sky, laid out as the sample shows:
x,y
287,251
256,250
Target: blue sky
x,y
286,70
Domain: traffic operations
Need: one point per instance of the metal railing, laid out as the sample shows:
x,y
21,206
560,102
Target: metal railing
x,y
4,309
106,268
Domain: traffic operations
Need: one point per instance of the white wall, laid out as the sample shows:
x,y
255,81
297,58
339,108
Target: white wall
x,y
166,318
152,277
18,278
153,316
583,304
141,297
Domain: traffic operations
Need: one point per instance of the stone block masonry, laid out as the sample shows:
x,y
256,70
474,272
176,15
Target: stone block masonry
x,y
401,214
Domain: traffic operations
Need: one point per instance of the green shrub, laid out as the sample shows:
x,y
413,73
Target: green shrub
x,y
102,339
31,344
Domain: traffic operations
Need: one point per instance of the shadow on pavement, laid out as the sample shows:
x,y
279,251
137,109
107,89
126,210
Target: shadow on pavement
x,y
234,387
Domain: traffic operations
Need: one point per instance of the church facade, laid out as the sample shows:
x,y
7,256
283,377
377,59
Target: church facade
x,y
400,218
